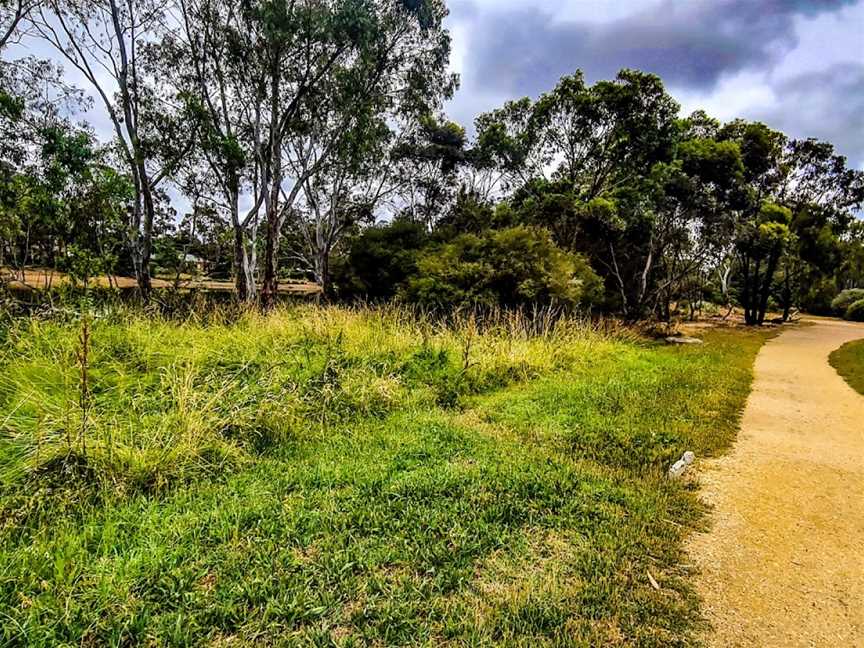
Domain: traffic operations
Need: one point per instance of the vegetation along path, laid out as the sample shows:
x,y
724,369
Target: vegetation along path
x,y
784,562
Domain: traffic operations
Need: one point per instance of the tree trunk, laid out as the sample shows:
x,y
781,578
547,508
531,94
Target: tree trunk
x,y
144,284
325,272
750,293
240,264
787,295
250,261
624,306
271,257
765,291
745,287
273,178
643,279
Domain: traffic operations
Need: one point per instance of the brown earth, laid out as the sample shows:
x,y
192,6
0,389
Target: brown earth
x,y
783,564
40,279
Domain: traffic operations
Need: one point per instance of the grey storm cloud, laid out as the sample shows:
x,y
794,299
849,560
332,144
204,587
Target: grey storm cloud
x,y
689,44
828,105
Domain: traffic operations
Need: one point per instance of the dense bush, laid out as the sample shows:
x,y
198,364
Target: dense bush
x,y
845,299
513,267
379,260
855,312
471,215
818,294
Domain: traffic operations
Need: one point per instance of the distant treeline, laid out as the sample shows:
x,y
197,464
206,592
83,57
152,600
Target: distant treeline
x,y
309,140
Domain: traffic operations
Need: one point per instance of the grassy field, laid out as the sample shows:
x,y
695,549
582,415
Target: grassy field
x,y
324,476
848,360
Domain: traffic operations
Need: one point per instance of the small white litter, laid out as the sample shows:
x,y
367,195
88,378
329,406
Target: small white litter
x,y
677,469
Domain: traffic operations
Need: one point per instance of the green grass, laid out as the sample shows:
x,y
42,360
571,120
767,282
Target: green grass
x,y
338,477
848,360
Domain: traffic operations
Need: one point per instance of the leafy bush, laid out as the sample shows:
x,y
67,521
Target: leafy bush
x,y
379,260
855,312
471,215
512,267
818,297
845,299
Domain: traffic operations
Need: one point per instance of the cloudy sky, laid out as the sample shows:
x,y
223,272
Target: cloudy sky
x,y
798,65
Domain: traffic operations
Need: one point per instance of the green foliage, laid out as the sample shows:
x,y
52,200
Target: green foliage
x,y
472,215
11,107
819,295
513,267
845,299
855,311
81,264
379,260
506,137
713,162
327,496
664,209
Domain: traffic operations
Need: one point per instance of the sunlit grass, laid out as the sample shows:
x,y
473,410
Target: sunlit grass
x,y
848,360
333,476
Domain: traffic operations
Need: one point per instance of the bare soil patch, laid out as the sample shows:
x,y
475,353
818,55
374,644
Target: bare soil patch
x,y
42,279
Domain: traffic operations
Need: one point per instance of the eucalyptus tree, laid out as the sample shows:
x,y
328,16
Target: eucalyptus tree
x,y
761,223
204,58
824,195
430,156
796,197
390,57
345,191
367,153
36,145
692,200
507,139
581,159
594,137
817,178
13,19
107,41
63,203
850,274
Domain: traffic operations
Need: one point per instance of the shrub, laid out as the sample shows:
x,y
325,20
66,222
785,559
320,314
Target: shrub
x,y
845,299
819,296
512,267
855,312
379,260
471,215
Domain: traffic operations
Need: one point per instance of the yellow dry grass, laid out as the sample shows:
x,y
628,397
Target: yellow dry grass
x,y
44,279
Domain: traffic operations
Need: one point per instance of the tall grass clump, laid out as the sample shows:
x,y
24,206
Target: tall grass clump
x,y
143,401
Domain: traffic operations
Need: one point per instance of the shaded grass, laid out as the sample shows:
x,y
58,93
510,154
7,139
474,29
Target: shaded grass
x,y
380,480
848,360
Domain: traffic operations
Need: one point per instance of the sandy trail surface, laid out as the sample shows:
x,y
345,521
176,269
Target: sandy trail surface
x,y
783,562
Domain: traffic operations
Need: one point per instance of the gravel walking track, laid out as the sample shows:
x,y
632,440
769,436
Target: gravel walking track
x,y
783,561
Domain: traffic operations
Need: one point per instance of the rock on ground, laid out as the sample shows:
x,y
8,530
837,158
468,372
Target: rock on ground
x,y
682,339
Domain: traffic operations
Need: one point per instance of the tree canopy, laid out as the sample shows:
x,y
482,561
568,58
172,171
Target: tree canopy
x,y
308,140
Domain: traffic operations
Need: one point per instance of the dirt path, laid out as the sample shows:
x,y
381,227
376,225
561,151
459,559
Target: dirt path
x,y
783,564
